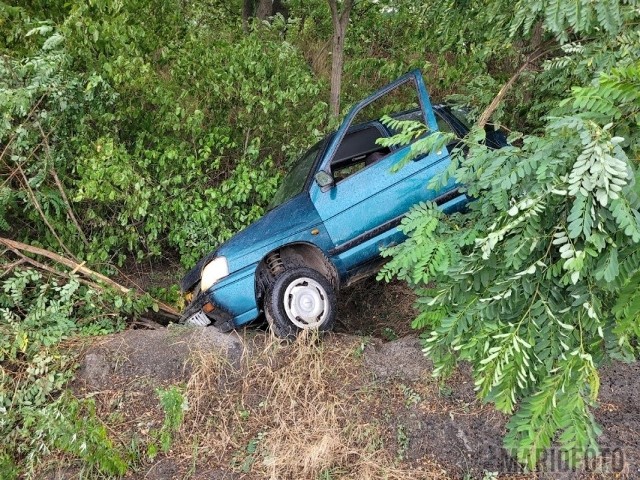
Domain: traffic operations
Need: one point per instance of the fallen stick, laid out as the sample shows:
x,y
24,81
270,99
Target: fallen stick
x,y
46,268
497,100
78,267
11,266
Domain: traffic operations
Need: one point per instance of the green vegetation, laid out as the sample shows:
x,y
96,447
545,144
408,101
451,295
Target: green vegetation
x,y
537,284
174,404
37,317
149,129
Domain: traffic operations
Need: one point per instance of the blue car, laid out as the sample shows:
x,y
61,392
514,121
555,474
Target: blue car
x,y
338,206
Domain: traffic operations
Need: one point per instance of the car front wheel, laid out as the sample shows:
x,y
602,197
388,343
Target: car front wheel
x,y
300,299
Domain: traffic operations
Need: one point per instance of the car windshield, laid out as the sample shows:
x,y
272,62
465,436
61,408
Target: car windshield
x,y
294,181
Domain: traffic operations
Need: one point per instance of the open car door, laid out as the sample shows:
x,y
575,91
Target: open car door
x,y
363,206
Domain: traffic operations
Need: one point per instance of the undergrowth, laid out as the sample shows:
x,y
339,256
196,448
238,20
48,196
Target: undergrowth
x,y
290,411
43,321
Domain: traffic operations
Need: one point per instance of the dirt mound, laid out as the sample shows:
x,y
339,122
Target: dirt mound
x,y
401,359
160,356
254,402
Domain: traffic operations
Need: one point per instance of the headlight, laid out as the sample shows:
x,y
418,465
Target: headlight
x,y
214,271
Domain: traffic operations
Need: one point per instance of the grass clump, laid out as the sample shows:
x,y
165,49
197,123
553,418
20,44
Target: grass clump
x,y
300,410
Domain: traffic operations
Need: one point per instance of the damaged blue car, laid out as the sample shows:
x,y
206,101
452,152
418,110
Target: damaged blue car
x,y
340,204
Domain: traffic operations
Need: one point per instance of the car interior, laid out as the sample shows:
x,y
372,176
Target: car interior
x,y
359,150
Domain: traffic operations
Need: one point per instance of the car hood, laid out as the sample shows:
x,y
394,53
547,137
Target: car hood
x,y
251,244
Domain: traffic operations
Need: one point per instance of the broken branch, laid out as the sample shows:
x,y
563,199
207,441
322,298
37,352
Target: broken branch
x,y
497,100
36,204
74,267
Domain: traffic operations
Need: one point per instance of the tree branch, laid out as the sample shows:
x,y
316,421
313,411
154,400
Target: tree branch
x,y
38,207
532,57
45,142
74,266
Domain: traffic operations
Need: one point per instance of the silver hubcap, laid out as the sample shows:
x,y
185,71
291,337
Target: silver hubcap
x,y
305,303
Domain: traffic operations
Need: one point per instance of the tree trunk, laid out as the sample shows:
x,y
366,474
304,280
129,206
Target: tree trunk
x,y
340,22
264,9
247,12
337,60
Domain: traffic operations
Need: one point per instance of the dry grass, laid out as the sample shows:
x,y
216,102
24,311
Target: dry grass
x,y
290,411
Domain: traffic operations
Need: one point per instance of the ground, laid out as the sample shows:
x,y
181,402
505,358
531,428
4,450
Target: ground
x,y
359,403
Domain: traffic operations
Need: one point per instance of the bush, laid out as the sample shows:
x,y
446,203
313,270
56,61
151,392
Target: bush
x,y
38,316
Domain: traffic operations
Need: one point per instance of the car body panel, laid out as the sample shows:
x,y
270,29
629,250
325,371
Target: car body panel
x,y
358,207
236,294
293,221
375,196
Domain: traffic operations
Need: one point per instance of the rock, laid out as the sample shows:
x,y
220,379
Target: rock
x,y
210,338
161,356
94,370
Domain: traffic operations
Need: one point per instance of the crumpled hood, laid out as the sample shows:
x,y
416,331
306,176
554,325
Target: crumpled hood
x,y
251,244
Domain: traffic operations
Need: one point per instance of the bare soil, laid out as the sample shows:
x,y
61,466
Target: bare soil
x,y
360,403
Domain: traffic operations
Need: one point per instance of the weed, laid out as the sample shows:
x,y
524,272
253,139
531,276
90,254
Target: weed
x,y
195,447
7,467
485,476
360,348
71,426
389,334
174,405
326,474
309,417
331,473
37,316
246,458
403,441
411,397
445,390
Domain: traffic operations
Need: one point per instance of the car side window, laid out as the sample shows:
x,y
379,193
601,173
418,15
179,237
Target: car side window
x,y
443,125
358,150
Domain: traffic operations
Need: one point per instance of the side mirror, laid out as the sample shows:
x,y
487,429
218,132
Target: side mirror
x,y
324,179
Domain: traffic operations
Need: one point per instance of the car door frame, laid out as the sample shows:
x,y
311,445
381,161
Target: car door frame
x,y
423,99
354,248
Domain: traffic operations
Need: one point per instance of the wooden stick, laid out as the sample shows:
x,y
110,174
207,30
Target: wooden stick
x,y
68,205
55,272
486,115
46,268
11,266
54,174
36,204
145,322
79,267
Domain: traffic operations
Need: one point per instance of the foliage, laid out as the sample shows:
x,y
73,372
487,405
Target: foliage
x,y
97,96
137,129
174,404
168,126
536,285
37,316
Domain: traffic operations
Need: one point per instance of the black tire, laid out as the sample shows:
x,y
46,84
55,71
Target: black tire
x,y
300,299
